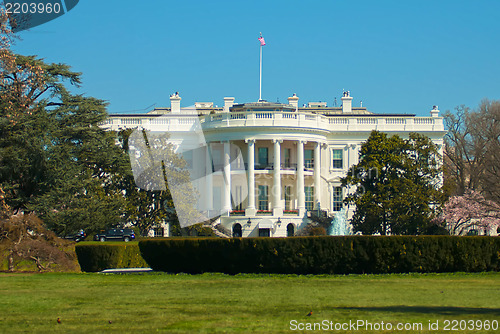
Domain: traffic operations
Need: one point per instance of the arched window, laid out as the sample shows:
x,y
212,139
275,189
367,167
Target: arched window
x,y
237,230
290,230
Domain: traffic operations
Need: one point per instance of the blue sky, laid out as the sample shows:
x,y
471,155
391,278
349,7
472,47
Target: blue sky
x,y
395,56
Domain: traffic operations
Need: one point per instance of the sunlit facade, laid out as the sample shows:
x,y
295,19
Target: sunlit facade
x,y
292,157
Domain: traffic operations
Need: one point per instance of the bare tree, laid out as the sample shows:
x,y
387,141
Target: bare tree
x,y
472,153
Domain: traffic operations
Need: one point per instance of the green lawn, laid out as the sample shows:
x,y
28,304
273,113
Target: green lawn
x,y
146,303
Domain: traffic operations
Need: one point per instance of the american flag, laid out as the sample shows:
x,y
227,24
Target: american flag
x,y
262,41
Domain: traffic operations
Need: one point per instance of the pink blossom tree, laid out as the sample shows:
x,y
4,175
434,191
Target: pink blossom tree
x,y
462,214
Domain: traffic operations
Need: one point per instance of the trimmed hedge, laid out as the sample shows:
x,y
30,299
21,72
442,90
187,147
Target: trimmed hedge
x,y
324,255
99,256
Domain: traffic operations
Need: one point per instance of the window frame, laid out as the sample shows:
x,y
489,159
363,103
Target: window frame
x,y
333,160
309,204
262,199
335,201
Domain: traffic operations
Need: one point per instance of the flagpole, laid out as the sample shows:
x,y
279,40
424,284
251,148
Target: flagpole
x,y
260,76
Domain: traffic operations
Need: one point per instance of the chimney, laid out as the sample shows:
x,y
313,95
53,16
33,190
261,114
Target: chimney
x,y
435,111
228,103
294,101
175,103
346,102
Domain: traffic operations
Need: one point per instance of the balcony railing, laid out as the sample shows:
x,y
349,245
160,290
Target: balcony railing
x,y
174,123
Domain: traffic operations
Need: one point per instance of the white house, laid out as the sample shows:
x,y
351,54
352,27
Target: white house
x,y
291,157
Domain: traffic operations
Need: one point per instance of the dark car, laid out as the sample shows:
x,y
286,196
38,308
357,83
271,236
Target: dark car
x,y
76,236
124,234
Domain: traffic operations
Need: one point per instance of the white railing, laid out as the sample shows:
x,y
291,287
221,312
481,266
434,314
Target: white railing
x,y
424,120
395,120
282,119
264,115
370,120
159,121
338,120
131,121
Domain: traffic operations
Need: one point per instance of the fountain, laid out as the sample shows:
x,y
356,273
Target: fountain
x,y
339,224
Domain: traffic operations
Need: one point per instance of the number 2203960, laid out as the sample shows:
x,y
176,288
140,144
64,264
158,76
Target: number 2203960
x,y
462,325
32,8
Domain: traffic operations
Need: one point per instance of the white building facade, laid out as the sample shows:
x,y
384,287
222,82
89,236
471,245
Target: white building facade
x,y
292,157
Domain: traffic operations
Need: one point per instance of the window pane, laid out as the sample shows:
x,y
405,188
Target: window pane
x,y
308,158
288,197
263,198
287,158
337,158
264,232
337,154
309,198
263,155
337,199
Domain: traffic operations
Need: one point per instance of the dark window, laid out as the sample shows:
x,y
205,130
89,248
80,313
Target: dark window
x,y
263,156
290,230
337,199
264,232
287,162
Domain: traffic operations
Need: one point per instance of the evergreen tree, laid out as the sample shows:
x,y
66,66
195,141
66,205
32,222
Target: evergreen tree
x,y
54,158
396,185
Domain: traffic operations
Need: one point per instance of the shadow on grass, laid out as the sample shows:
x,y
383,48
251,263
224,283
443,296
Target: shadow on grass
x,y
441,310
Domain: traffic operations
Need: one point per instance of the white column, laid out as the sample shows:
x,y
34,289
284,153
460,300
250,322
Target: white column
x,y
250,210
317,175
227,177
277,206
300,177
209,191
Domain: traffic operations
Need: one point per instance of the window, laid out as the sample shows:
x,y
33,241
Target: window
x,y
159,231
309,198
309,158
287,163
263,198
288,197
337,199
290,230
263,156
337,158
264,232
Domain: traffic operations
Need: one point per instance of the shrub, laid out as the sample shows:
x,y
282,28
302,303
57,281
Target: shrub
x,y
98,256
324,255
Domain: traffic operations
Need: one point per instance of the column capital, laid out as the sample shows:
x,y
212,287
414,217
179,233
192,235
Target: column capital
x,y
277,141
302,141
250,140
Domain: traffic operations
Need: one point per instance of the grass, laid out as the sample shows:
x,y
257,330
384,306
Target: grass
x,y
144,303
